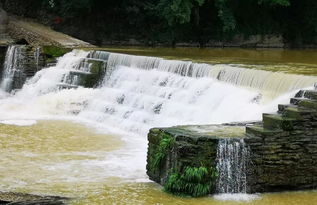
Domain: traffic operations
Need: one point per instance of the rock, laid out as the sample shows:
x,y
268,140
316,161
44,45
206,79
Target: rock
x,y
3,17
283,148
37,34
12,198
190,147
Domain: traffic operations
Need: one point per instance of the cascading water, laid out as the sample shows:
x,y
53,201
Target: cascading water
x,y
12,65
137,93
270,84
232,160
21,63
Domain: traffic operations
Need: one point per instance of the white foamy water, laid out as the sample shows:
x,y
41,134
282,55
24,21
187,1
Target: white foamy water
x,y
237,197
137,93
18,122
11,65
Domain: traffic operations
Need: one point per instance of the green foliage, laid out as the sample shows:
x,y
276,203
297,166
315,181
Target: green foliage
x,y
68,8
226,15
194,181
172,21
275,2
177,11
166,144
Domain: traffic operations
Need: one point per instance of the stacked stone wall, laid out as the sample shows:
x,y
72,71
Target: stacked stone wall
x,y
283,147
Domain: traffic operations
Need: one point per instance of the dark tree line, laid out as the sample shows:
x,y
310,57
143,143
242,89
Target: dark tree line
x,y
171,21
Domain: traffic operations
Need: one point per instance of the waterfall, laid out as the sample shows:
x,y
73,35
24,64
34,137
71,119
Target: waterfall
x,y
270,84
21,63
232,159
37,57
12,65
137,93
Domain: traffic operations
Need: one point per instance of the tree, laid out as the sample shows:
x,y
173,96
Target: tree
x,y
177,11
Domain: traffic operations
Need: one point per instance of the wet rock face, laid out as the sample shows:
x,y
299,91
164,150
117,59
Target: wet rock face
x,y
2,56
172,150
283,148
12,198
28,60
282,160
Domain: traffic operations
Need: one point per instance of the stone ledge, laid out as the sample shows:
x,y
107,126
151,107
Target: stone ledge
x,y
36,34
283,150
13,198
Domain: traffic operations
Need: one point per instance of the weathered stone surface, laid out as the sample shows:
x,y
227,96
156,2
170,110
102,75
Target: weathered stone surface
x,y
3,50
31,60
194,146
12,198
286,158
283,149
38,35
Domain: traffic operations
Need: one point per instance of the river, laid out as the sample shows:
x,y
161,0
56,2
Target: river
x,y
90,144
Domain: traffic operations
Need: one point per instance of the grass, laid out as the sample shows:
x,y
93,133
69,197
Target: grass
x,y
161,152
193,181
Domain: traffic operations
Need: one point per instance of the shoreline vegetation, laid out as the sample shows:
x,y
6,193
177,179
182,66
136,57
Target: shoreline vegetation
x,y
193,23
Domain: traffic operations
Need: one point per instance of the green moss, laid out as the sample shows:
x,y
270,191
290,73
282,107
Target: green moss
x,y
308,103
96,66
272,121
160,152
55,51
193,181
89,81
260,131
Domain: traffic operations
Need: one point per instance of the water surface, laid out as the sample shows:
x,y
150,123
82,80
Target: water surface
x,y
282,60
86,162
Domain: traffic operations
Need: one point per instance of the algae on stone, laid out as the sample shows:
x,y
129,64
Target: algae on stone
x,y
55,51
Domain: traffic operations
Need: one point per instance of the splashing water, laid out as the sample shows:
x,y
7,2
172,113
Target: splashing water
x,y
232,159
137,93
11,65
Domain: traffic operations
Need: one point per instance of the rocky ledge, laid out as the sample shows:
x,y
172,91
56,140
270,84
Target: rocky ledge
x,y
12,198
282,151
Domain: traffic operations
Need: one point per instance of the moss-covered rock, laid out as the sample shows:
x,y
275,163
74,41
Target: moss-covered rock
x,y
96,66
283,151
55,51
175,152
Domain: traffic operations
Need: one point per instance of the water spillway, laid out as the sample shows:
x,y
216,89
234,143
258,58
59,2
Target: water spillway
x,y
11,66
21,62
271,84
232,160
136,93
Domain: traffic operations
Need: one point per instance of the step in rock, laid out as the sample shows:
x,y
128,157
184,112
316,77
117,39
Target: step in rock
x,y
66,86
282,107
303,102
310,94
256,131
278,122
299,113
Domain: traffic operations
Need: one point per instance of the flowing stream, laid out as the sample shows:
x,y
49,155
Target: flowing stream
x,y
137,93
